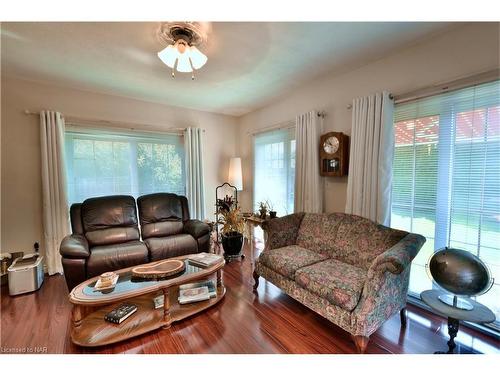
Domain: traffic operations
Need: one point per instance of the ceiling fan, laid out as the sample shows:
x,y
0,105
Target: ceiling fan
x,y
181,40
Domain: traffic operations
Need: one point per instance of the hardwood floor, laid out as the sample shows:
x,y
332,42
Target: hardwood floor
x,y
244,322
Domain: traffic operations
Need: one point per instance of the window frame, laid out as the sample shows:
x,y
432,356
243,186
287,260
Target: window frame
x,y
133,138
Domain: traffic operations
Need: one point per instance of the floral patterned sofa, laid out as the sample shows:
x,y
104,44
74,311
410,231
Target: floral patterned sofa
x,y
346,268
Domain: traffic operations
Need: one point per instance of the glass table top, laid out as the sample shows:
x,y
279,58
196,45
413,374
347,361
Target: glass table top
x,y
127,282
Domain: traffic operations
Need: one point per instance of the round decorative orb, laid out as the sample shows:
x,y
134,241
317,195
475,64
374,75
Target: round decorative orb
x,y
459,272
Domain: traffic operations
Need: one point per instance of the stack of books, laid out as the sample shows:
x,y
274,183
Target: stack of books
x,y
204,259
194,292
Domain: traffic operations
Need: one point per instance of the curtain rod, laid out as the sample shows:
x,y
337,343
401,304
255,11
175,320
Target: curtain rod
x,y
349,106
443,87
281,125
456,84
114,124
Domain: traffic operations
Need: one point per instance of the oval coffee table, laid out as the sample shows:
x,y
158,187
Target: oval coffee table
x,y
90,306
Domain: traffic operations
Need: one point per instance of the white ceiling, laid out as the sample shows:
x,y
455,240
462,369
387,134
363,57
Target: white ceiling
x,y
250,64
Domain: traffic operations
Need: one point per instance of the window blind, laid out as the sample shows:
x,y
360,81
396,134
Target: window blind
x,y
274,169
446,182
107,163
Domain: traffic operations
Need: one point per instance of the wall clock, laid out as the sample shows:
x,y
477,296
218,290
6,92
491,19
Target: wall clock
x,y
334,154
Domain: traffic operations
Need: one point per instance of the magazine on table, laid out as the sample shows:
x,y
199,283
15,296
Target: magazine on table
x,y
204,259
193,295
210,284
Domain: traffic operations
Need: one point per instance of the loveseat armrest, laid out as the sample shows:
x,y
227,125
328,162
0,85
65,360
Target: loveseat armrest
x,y
74,246
397,258
282,231
196,228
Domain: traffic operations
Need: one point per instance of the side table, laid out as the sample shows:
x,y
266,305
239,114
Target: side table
x,y
478,314
250,223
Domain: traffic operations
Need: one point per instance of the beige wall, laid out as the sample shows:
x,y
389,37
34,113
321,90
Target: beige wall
x,y
21,204
462,51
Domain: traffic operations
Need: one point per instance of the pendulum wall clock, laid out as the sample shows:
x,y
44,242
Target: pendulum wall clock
x,y
334,154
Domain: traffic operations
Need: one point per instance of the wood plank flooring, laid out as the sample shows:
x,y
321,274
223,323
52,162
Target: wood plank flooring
x,y
244,322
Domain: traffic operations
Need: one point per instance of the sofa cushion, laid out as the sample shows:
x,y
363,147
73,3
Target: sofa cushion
x,y
359,240
171,246
318,232
339,283
114,257
286,260
348,238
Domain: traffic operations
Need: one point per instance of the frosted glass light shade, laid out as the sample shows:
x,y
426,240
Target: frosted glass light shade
x,y
198,59
168,56
235,176
183,64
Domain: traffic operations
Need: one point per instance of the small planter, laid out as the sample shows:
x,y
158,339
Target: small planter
x,y
272,214
232,243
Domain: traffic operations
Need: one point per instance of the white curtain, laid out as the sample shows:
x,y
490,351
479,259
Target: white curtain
x,y
308,182
370,161
195,186
55,202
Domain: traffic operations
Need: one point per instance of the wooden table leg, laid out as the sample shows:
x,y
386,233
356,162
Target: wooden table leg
x,y
453,325
166,308
76,316
220,283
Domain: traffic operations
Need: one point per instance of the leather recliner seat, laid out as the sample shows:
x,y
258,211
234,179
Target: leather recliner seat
x,y
106,234
167,229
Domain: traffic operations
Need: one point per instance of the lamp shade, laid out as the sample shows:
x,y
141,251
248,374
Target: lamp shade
x,y
168,56
235,177
198,59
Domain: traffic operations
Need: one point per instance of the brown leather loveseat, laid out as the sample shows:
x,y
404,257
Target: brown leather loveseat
x,y
106,235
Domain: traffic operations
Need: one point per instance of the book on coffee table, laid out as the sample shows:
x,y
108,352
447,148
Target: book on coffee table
x,y
210,284
193,295
204,259
121,313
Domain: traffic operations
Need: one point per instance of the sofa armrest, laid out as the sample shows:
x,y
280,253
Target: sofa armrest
x,y
282,231
74,246
396,259
196,228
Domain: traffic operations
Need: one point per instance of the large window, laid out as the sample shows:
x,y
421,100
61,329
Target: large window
x,y
274,169
100,163
446,182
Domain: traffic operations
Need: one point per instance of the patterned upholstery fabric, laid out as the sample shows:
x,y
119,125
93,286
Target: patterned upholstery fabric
x,y
282,231
349,238
339,283
358,271
318,232
286,260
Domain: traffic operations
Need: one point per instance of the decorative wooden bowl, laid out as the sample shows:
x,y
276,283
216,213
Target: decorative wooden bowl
x,y
161,269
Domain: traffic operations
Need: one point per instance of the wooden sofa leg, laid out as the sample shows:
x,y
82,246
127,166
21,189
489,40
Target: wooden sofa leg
x,y
402,314
361,342
256,279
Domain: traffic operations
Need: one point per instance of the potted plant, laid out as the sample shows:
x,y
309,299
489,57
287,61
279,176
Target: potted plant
x,y
272,213
228,215
262,209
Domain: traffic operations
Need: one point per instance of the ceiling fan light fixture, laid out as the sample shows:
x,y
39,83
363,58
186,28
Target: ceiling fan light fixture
x,y
183,64
181,53
197,58
168,56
